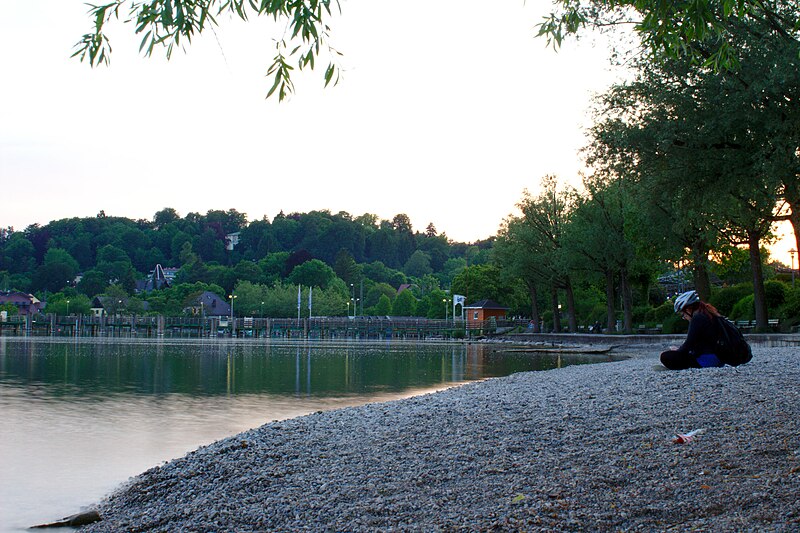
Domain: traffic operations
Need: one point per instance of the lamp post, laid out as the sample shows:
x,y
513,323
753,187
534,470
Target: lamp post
x,y
261,311
67,307
445,308
233,320
559,319
353,299
791,255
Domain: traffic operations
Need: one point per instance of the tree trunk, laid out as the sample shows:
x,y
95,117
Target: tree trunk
x,y
759,293
534,307
702,283
573,322
610,314
556,317
627,301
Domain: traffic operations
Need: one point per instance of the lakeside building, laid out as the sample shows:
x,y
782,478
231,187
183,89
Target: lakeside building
x,y
107,306
158,278
483,310
26,304
208,304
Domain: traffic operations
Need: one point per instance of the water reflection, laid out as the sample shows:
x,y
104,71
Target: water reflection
x,y
80,416
87,367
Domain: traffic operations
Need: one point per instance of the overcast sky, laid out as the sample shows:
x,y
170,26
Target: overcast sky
x,y
446,111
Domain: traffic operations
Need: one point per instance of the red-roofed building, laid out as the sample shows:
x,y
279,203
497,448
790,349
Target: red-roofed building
x,y
483,310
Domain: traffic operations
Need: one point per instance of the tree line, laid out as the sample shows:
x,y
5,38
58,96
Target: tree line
x,y
688,165
355,264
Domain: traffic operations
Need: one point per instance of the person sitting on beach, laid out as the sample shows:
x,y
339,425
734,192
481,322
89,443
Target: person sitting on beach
x,y
701,346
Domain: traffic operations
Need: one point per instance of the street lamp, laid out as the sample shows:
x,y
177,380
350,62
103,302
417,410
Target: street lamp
x,y
353,299
791,255
67,307
261,311
232,297
233,320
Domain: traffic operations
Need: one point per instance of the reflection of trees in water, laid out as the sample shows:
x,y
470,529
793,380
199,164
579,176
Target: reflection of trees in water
x,y
214,368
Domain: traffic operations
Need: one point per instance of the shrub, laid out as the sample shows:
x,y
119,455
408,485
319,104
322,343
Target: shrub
x,y
724,299
547,319
744,309
663,312
790,310
775,294
598,314
642,313
674,324
9,308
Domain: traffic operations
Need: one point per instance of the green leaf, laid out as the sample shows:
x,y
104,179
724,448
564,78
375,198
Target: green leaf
x,y
144,40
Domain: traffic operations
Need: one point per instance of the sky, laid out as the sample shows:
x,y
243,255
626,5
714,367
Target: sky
x,y
446,111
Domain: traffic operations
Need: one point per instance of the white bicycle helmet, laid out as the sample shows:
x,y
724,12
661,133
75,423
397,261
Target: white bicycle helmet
x,y
685,299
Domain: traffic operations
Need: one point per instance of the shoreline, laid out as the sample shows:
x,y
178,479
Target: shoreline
x,y
582,447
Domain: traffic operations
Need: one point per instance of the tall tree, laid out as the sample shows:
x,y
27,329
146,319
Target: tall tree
x,y
597,238
546,215
711,148
516,258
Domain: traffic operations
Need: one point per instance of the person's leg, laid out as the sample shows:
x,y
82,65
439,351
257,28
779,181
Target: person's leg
x,y
678,361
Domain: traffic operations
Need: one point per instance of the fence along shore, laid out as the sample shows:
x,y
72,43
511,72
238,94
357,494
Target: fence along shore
x,y
198,327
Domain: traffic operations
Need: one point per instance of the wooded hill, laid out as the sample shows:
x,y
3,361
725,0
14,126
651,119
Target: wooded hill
x,y
352,256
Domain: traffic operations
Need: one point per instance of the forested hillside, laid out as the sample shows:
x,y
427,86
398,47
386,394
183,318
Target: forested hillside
x,y
351,261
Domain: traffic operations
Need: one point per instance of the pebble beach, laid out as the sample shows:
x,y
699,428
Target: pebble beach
x,y
586,447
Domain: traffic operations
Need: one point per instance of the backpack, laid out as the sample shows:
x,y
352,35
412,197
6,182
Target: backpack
x,y
732,348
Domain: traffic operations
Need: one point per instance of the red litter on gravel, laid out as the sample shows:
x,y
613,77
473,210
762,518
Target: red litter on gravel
x,y
683,438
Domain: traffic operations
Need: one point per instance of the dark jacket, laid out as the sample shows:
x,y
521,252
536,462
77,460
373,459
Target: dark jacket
x,y
702,337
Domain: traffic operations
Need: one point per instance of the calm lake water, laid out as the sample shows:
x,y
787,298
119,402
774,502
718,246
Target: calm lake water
x,y
80,416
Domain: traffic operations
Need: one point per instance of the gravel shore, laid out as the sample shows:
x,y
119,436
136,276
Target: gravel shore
x,y
580,448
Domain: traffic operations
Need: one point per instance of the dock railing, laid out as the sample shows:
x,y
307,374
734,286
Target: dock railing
x,y
369,327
